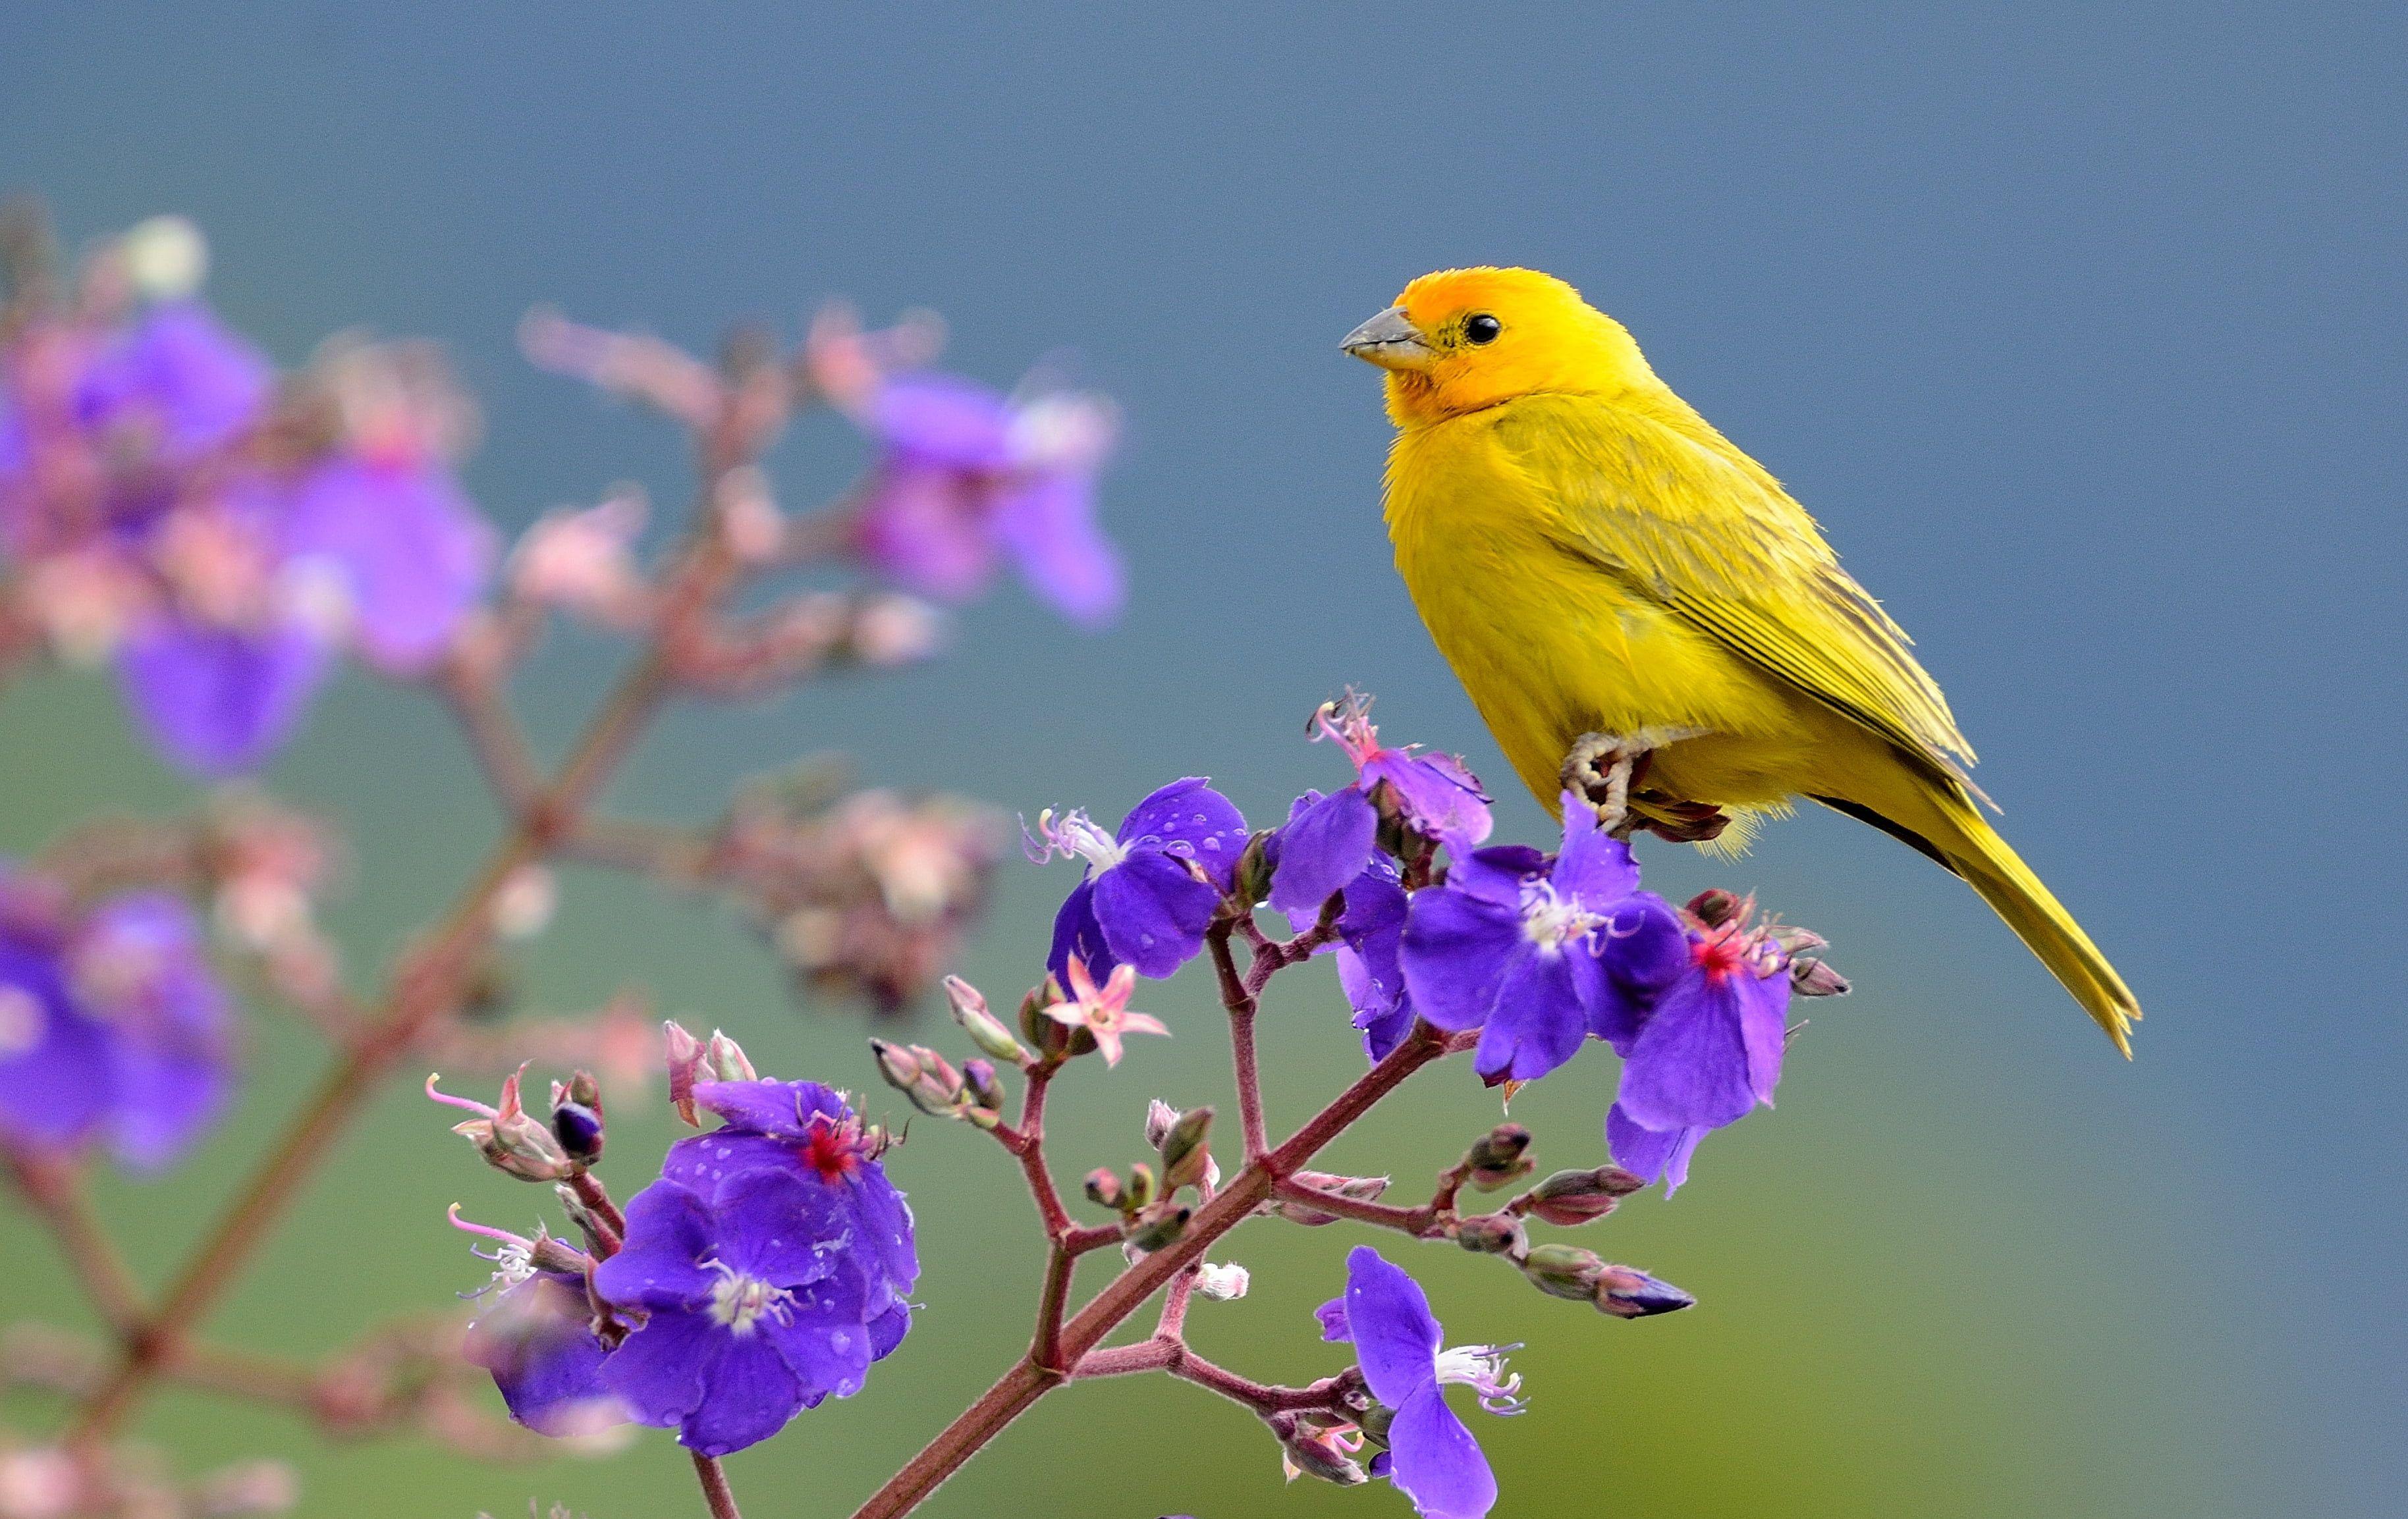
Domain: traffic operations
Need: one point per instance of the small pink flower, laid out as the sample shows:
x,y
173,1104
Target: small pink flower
x,y
1105,1013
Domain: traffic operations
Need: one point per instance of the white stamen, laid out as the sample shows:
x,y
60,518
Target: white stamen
x,y
739,1302
1552,921
1482,1368
1075,833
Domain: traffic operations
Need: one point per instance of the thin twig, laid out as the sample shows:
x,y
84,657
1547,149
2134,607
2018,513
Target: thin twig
x,y
1419,1222
715,1490
54,1190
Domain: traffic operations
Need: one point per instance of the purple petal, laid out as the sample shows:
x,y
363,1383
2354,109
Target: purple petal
x,y
1495,874
659,1267
705,1163
885,1220
409,546
1764,1015
1153,912
925,527
1594,866
1436,1463
1643,950
218,702
1689,1067
1077,933
1649,1153
1191,820
1322,849
1048,527
824,1339
172,1019
1332,1317
943,420
749,1393
1541,1015
164,1103
180,369
57,1067
1439,797
782,1109
1455,950
657,1372
1397,1341
887,1330
536,1341
775,1225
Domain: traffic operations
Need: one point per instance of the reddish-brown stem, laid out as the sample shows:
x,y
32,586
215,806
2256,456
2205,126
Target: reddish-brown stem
x,y
500,746
1419,1222
1165,1353
55,1193
1045,1346
715,1490
1031,1151
1238,996
596,1200
1025,1383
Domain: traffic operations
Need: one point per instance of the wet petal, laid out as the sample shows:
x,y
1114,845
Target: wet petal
x,y
783,1109
659,1267
1540,1016
1153,912
1594,865
824,1339
749,1393
657,1373
1192,821
1077,933
1456,951
777,1227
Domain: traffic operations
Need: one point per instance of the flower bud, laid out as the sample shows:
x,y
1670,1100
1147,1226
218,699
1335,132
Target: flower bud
x,y
1627,1292
510,1138
1359,1188
1489,1234
579,1129
979,1080
1140,1187
1572,1198
1564,1271
1159,1116
1500,1159
726,1059
969,1010
1312,1450
1253,874
1224,1282
1810,977
1714,906
1187,1154
1054,1041
922,1074
685,1060
1104,1189
1158,1228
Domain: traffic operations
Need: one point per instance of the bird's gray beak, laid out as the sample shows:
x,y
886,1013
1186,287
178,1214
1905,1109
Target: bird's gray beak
x,y
1391,341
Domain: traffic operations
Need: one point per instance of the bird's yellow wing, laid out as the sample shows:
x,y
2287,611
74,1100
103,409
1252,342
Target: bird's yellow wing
x,y
1648,492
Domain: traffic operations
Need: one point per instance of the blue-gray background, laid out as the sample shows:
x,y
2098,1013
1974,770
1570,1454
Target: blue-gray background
x,y
2080,327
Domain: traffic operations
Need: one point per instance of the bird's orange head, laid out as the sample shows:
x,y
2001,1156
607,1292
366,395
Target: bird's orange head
x,y
1462,340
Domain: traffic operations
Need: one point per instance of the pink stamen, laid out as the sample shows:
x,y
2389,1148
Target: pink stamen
x,y
450,1102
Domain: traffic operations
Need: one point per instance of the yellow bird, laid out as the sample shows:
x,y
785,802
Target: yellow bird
x,y
1612,579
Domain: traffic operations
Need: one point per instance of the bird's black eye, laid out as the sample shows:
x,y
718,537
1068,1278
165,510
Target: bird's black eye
x,y
1483,328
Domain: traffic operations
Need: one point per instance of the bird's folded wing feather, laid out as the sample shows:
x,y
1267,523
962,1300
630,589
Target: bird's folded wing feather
x,y
1674,511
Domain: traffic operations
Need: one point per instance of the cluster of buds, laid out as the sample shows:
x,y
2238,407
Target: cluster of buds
x,y
1357,1189
691,1060
1563,1271
1152,1215
973,1093
1323,1443
515,1143
869,891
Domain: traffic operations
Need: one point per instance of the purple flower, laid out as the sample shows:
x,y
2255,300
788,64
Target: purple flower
x,y
1326,843
113,1026
179,374
1150,889
536,1338
407,547
753,1303
1431,1457
966,478
1705,1053
219,701
1538,953
807,1131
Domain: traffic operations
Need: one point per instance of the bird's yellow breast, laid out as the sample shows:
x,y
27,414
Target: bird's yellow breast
x,y
1551,647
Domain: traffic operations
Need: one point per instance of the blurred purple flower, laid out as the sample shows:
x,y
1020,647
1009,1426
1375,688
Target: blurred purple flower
x,y
407,547
809,1132
1325,844
1431,1457
1538,953
1150,889
111,1026
967,477
179,374
536,1338
752,1299
219,701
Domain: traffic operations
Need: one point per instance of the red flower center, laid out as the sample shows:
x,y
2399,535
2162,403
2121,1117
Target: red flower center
x,y
833,1150
1720,954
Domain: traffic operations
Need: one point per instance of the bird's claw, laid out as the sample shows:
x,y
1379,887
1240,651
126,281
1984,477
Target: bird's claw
x,y
1607,769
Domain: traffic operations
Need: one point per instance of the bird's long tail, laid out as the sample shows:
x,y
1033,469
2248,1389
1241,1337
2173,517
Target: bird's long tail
x,y
1948,827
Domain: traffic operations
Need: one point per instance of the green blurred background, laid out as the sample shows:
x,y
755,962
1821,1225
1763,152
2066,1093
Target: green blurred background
x,y
2080,328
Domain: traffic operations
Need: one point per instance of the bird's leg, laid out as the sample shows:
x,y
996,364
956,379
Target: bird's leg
x,y
1607,789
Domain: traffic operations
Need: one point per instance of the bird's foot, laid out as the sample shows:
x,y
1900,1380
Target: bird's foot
x,y
1607,769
